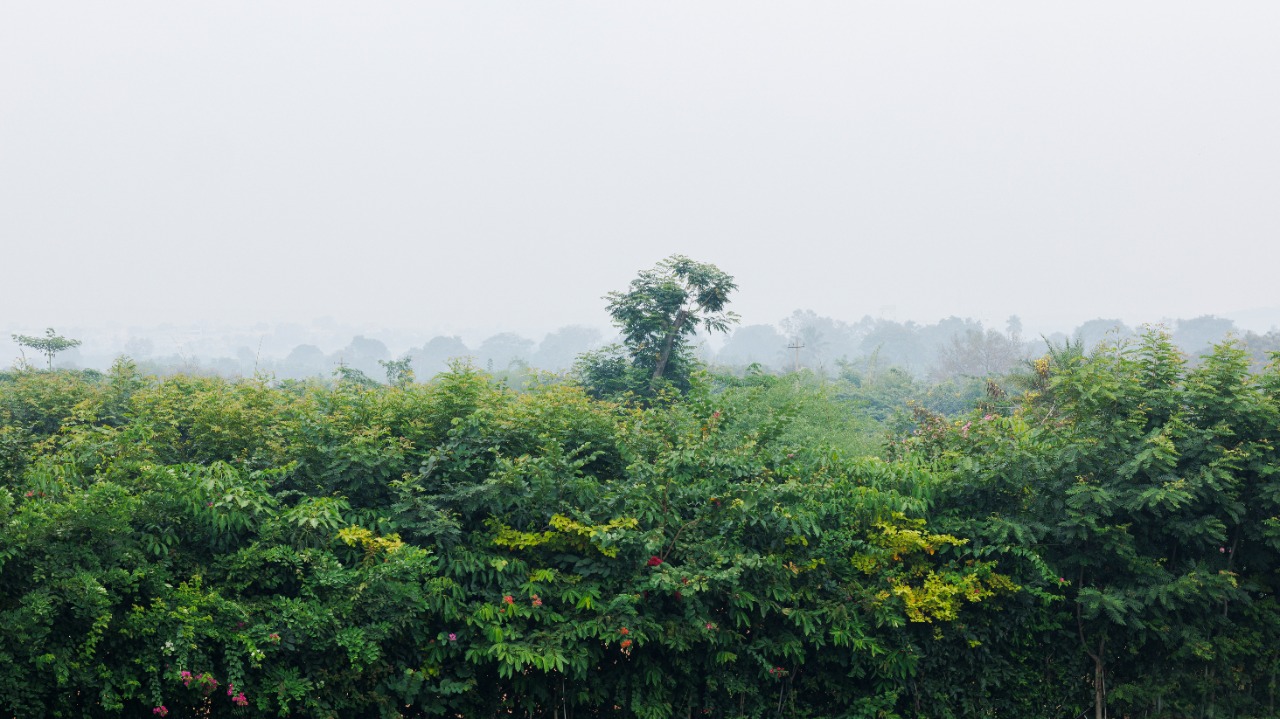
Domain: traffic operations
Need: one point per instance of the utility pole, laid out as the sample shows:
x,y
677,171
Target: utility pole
x,y
797,346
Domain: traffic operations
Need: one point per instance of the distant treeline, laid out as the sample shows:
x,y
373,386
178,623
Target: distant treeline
x,y
948,349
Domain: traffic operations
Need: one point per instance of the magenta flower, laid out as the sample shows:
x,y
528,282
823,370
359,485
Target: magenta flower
x,y
161,710
453,637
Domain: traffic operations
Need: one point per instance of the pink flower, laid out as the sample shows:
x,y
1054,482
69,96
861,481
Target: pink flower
x,y
716,414
161,710
453,637
240,699
536,601
987,418
1222,550
710,625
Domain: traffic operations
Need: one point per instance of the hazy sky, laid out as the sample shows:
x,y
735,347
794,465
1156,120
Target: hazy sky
x,y
503,165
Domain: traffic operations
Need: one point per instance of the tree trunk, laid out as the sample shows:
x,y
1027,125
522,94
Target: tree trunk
x,y
1099,689
668,345
1099,659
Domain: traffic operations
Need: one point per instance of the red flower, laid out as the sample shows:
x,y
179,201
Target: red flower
x,y
655,561
626,643
509,599
624,631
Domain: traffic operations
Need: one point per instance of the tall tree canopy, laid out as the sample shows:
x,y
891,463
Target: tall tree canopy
x,y
666,305
51,344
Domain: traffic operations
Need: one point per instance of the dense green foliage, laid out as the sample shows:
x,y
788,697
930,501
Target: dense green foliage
x,y
451,548
1151,490
197,546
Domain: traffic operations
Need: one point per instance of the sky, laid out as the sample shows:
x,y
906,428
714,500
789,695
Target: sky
x,y
451,167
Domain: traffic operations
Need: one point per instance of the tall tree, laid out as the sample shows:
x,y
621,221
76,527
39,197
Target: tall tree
x,y
559,348
666,305
504,348
51,344
434,356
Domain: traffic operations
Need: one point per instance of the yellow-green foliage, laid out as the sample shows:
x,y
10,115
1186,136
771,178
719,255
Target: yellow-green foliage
x,y
565,534
372,545
901,549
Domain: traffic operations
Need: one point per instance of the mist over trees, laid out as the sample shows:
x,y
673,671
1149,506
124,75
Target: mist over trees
x,y
949,348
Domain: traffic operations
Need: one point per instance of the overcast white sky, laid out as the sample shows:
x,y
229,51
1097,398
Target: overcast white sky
x,y
503,165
